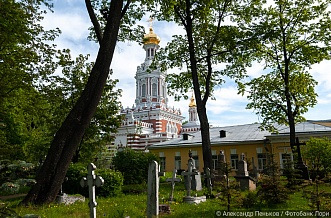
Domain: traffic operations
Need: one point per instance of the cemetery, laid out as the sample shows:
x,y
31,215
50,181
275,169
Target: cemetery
x,y
169,194
69,148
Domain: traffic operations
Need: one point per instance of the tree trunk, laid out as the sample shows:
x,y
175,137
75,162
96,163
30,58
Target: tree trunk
x,y
68,137
201,105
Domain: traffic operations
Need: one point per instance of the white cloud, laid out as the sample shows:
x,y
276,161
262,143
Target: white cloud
x,y
228,109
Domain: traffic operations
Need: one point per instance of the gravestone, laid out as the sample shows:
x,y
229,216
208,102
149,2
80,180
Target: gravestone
x,y
242,166
192,180
153,189
300,164
173,180
209,176
221,167
91,181
245,181
63,198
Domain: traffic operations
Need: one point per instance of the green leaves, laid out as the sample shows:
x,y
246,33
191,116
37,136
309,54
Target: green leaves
x,y
292,36
317,153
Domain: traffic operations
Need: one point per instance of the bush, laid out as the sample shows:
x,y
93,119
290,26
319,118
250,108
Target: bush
x,y
133,165
10,171
250,200
9,188
113,181
74,175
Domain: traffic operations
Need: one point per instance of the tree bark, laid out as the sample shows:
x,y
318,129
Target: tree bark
x,y
68,137
201,105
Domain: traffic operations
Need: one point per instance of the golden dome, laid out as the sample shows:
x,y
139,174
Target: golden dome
x,y
192,103
151,37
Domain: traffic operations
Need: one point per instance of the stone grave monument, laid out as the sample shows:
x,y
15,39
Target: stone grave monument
x,y
173,180
245,181
153,206
63,198
209,176
91,181
221,167
255,172
192,180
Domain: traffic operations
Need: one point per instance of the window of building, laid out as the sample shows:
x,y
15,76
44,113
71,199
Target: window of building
x,y
195,156
234,161
154,89
168,127
214,158
143,90
178,160
261,159
286,160
234,158
162,161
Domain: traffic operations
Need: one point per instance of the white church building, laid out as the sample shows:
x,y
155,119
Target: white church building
x,y
150,120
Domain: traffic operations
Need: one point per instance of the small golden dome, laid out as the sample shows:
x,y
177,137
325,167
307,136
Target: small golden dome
x,y
192,103
151,37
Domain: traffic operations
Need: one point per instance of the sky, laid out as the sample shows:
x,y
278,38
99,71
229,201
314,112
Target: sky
x,y
228,109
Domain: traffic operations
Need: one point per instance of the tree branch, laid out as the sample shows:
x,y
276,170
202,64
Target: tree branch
x,y
94,20
126,6
176,8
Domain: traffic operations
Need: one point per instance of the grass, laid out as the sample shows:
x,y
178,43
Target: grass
x,y
134,205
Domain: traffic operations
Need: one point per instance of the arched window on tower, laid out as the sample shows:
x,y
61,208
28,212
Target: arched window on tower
x,y
154,89
152,52
143,90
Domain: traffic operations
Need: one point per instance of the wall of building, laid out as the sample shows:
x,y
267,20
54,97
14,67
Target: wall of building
x,y
249,149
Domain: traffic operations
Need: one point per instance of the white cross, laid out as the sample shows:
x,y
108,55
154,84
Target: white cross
x,y
91,181
150,21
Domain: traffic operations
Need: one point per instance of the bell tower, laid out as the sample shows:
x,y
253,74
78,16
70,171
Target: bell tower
x,y
150,84
150,120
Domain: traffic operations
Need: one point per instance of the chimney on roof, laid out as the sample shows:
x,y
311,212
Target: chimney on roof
x,y
222,133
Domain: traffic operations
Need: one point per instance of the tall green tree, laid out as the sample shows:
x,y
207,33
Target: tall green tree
x,y
208,41
71,132
291,37
64,90
25,57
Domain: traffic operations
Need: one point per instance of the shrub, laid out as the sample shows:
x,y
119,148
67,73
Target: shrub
x,y
74,175
9,188
26,182
272,190
10,171
133,165
250,200
113,182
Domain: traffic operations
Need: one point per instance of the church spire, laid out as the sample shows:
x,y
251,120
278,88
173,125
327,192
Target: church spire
x,y
193,114
150,84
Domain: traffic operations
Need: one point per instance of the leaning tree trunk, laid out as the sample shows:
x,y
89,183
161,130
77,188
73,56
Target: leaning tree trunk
x,y
201,103
68,137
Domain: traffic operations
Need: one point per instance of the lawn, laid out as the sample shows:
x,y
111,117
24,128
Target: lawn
x,y
134,205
